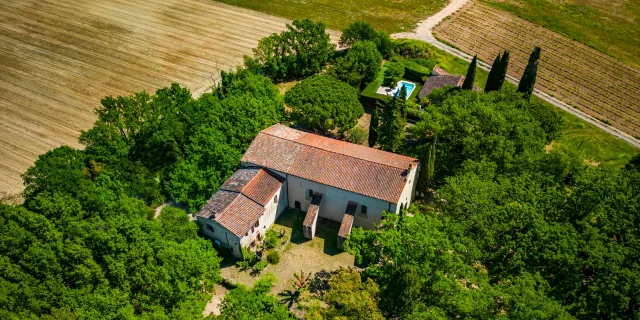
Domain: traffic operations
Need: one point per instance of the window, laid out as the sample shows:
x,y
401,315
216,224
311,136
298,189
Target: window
x,y
309,194
363,211
210,228
257,223
252,229
275,199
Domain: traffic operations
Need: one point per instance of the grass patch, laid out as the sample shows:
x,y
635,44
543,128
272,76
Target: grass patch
x,y
391,16
593,143
610,26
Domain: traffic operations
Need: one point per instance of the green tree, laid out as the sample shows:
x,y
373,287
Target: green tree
x,y
362,31
324,103
493,80
301,51
373,128
428,163
349,297
359,66
393,73
244,303
549,119
474,126
209,162
471,75
634,163
504,66
391,131
106,264
528,80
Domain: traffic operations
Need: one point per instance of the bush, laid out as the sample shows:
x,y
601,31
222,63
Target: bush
x,y
418,69
411,48
271,239
393,74
260,265
249,259
273,257
356,135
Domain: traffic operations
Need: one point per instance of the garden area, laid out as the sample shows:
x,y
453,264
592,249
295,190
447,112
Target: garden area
x,y
295,253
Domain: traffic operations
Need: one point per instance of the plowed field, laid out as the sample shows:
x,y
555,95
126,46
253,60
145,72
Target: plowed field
x,y
574,73
58,58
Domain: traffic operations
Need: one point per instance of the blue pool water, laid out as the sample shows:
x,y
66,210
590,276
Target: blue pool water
x,y
407,85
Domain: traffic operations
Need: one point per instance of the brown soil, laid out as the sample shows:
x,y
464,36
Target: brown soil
x,y
59,58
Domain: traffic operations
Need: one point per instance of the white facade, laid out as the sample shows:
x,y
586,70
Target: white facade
x,y
272,211
334,200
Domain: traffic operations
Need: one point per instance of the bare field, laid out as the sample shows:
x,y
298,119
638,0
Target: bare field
x,y
576,74
58,58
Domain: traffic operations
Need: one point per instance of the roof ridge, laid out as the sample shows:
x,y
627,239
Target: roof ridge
x,y
242,194
386,165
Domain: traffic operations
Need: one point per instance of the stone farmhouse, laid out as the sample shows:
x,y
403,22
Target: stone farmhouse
x,y
439,79
288,168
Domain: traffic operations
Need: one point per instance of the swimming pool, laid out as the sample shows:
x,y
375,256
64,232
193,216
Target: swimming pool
x,y
407,85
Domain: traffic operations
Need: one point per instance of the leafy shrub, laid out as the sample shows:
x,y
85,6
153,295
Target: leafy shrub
x,y
271,239
273,257
411,48
249,259
260,265
418,69
393,74
356,135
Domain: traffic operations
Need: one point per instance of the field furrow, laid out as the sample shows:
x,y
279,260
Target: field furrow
x,y
574,73
59,58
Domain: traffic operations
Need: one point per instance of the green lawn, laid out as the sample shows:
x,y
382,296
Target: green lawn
x,y
611,26
391,16
577,135
371,89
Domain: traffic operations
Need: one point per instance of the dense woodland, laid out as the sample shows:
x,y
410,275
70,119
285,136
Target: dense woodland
x,y
503,228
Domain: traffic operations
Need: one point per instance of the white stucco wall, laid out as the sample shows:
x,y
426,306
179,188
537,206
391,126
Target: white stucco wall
x,y
334,202
272,211
221,234
409,190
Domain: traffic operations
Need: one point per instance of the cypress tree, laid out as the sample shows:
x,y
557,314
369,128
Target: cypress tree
x,y
428,161
471,75
504,65
528,80
530,76
373,128
494,75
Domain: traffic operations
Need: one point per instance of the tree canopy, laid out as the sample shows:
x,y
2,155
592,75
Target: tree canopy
x,y
298,52
324,103
359,66
362,31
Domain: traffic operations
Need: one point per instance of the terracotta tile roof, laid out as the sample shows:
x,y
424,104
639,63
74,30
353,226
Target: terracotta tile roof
x,y
241,199
436,82
347,219
263,186
437,71
313,210
241,214
356,168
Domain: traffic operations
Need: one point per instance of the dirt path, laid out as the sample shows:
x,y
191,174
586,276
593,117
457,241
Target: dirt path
x,y
424,32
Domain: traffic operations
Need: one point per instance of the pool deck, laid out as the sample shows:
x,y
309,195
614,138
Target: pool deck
x,y
392,91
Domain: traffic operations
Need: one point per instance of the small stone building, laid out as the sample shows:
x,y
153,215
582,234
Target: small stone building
x,y
285,167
